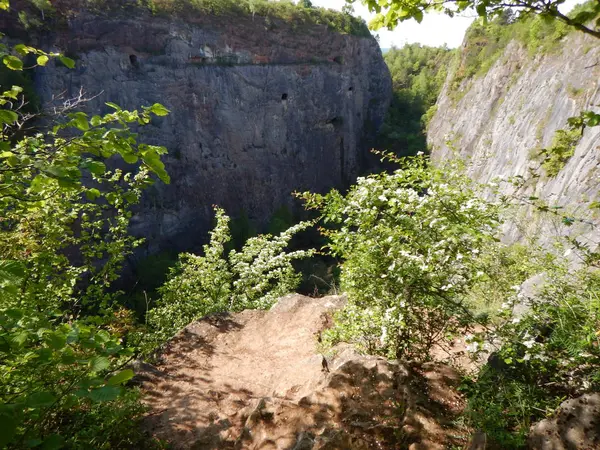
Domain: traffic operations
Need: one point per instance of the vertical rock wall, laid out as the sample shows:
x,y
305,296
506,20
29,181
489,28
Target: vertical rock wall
x,y
260,108
505,117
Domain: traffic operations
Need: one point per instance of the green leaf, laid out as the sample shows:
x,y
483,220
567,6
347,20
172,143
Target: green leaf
x,y
113,106
53,442
8,117
120,378
67,358
129,158
96,167
92,194
130,197
11,272
22,49
99,363
152,160
66,183
80,121
42,60
593,119
12,62
12,161
14,314
4,5
159,110
20,338
56,340
102,336
56,171
40,399
418,16
105,394
8,426
481,10
31,443
96,120
68,62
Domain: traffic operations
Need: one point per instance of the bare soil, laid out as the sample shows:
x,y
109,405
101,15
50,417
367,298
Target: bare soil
x,y
256,380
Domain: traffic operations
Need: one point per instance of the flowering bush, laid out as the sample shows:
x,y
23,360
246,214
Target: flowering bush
x,y
251,278
412,244
542,357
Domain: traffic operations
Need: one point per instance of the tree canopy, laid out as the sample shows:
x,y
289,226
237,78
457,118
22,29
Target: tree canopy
x,y
418,73
391,12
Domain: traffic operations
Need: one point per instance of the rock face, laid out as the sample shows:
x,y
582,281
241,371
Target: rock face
x,y
260,108
256,380
506,116
576,425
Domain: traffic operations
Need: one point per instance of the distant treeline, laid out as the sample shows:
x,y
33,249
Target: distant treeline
x,y
418,74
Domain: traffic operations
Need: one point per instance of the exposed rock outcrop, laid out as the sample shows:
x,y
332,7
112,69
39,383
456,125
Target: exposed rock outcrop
x,y
505,117
576,425
259,108
256,379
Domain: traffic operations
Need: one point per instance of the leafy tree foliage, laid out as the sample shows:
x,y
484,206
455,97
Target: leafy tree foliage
x,y
391,12
418,74
63,237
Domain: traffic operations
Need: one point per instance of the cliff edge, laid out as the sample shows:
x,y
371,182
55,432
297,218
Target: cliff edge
x,y
256,380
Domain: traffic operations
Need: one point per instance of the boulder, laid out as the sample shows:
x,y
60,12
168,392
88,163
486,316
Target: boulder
x,y
575,426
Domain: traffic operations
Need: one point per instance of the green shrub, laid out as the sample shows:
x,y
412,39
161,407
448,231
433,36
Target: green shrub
x,y
550,354
63,238
412,244
560,151
222,280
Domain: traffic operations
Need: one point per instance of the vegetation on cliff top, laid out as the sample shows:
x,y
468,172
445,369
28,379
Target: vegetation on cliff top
x,y
286,11
486,41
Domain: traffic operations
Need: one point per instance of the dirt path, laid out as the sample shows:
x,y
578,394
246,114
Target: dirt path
x,y
256,380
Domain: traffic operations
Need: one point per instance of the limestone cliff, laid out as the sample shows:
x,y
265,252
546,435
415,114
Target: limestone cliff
x,y
499,122
259,108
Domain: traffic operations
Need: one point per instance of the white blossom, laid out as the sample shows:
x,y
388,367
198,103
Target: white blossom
x,y
472,347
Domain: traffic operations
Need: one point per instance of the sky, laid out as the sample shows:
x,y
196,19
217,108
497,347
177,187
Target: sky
x,y
435,29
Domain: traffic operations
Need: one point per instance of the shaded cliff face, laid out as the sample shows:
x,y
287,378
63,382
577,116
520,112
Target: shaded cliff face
x,y
259,109
505,117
